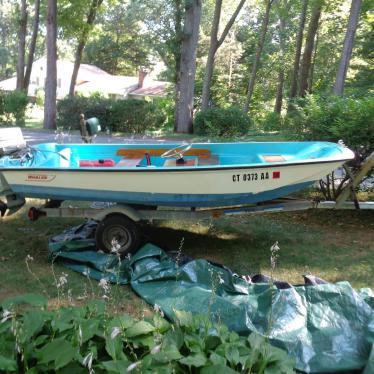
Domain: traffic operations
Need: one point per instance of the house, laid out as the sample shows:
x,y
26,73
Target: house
x,y
90,80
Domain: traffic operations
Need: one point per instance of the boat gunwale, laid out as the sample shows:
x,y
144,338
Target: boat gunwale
x,y
176,169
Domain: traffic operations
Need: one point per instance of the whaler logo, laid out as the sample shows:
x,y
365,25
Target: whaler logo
x,y
40,178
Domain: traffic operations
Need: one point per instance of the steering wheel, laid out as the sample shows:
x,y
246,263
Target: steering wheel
x,y
177,152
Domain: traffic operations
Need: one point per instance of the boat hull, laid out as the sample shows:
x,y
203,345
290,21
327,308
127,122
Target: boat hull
x,y
189,187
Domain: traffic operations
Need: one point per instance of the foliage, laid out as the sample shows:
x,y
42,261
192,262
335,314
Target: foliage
x,y
222,122
13,106
119,48
70,108
87,338
270,121
134,116
333,118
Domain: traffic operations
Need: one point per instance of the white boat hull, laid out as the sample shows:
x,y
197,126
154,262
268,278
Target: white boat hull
x,y
188,187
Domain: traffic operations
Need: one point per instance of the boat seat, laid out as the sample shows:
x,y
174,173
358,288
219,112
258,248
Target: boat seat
x,y
171,162
273,158
129,162
212,160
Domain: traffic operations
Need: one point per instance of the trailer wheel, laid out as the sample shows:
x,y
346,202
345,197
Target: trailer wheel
x,y
117,233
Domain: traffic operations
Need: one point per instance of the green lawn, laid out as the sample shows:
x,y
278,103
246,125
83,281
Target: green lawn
x,y
332,245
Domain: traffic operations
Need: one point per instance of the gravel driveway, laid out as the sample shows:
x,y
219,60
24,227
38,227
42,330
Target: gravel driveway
x,y
33,137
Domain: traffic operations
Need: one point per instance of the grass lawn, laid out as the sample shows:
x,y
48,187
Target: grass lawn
x,y
332,245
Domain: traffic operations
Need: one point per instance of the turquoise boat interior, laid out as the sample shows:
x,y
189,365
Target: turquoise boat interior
x,y
166,155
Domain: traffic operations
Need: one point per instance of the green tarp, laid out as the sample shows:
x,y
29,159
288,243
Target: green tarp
x,y
327,328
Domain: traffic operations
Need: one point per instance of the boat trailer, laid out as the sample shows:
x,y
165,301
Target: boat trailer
x,y
119,227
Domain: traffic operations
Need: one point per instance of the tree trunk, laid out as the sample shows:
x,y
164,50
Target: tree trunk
x,y
188,66
34,36
299,43
95,5
308,49
178,16
312,65
279,97
256,62
214,45
51,78
21,45
348,46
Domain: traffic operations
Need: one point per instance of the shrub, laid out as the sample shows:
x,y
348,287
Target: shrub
x,y
118,115
70,108
226,122
89,339
135,116
333,118
13,107
270,121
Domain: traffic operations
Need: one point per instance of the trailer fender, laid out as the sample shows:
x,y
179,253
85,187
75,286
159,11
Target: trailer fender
x,y
124,209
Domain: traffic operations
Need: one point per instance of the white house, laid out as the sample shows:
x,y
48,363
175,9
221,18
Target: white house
x,y
91,79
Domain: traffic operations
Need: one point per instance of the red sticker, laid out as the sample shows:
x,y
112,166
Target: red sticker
x,y
276,174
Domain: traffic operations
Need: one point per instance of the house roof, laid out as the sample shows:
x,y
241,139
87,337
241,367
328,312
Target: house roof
x,y
153,88
92,79
110,84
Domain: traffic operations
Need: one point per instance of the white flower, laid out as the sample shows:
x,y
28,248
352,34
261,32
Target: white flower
x,y
87,361
62,280
156,308
220,279
6,315
133,366
156,349
104,284
29,258
115,332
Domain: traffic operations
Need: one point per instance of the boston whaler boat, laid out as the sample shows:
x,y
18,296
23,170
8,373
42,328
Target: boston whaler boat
x,y
139,177
192,175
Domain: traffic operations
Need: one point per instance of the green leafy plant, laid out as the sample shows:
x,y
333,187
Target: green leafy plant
x,y
13,106
333,118
225,122
132,116
81,339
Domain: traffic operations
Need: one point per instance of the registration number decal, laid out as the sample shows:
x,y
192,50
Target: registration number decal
x,y
252,177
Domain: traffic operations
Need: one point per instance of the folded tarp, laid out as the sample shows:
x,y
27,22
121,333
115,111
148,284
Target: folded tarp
x,y
327,328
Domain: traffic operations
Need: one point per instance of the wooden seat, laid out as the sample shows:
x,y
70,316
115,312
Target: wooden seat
x,y
138,152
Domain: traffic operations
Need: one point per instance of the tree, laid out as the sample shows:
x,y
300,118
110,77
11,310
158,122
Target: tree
x,y
22,30
30,59
51,78
187,70
215,43
283,10
308,49
260,46
94,6
299,43
120,47
347,47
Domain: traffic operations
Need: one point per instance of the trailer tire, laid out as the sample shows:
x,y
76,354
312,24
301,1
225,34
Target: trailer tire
x,y
117,233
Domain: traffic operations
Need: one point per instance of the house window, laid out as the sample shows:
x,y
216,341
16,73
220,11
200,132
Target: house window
x,y
59,82
37,81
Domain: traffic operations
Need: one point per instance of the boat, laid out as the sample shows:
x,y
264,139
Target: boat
x,y
186,175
